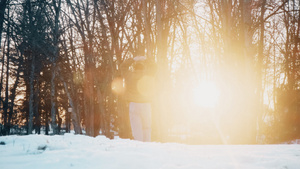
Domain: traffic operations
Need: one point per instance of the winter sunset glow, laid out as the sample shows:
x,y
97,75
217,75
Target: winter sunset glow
x,y
206,94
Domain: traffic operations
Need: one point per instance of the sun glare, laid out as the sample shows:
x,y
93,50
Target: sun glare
x,y
206,94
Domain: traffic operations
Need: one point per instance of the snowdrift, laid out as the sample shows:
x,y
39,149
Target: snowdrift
x,y
83,152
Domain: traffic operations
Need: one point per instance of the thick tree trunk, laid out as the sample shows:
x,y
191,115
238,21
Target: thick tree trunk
x,y
89,93
53,67
32,56
92,108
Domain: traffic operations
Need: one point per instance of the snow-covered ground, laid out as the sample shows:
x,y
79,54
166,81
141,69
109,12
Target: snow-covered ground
x,y
83,152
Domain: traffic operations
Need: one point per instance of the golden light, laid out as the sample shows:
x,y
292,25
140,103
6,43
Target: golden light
x,y
117,85
77,78
145,85
206,94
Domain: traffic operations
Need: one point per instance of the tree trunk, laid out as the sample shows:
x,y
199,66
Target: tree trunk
x,y
74,113
147,29
3,4
53,98
53,67
31,94
32,56
1,80
47,122
59,122
36,109
160,108
92,109
259,94
249,80
5,104
13,91
68,119
89,92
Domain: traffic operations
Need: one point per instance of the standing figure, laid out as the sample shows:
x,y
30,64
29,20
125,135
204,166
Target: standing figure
x,y
139,78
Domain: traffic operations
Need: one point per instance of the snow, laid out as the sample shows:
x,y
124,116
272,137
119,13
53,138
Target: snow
x,y
79,151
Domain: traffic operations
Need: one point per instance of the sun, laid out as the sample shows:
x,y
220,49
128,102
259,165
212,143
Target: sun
x,y
206,94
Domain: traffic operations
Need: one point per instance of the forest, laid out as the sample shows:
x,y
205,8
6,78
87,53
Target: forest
x,y
228,70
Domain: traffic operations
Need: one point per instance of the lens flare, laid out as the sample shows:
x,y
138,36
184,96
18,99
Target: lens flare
x,y
117,85
206,94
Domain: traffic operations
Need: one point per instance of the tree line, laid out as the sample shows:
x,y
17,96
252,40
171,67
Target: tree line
x,y
59,59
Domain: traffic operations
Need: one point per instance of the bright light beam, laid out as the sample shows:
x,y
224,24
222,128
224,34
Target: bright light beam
x,y
206,94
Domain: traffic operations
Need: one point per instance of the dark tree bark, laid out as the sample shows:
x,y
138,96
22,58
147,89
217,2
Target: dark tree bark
x,y
36,104
5,104
55,55
31,94
3,5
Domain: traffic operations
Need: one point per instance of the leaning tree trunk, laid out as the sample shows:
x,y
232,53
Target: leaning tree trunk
x,y
74,112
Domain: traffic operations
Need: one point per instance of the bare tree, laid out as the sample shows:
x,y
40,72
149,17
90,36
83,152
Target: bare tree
x,y
3,5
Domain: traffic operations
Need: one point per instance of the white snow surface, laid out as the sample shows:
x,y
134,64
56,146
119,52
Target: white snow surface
x,y
83,152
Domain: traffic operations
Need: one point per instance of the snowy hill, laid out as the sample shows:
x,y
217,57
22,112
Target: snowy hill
x,y
83,152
